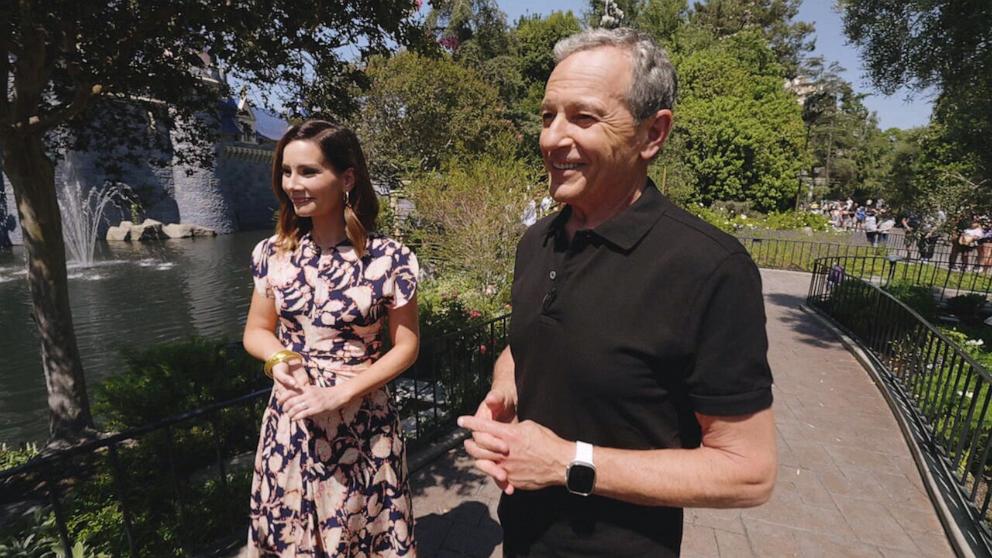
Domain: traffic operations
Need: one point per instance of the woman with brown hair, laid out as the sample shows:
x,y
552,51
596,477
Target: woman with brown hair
x,y
330,472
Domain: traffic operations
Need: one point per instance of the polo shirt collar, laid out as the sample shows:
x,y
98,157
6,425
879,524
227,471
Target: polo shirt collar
x,y
627,228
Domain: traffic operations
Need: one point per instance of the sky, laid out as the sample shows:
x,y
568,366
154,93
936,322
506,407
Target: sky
x,y
893,111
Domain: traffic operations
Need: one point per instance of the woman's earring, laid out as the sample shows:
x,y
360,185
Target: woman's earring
x,y
347,200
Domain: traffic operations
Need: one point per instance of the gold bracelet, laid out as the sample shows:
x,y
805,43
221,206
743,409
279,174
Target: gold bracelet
x,y
279,356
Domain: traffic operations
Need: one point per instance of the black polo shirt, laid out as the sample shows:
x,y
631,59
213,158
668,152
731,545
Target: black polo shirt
x,y
619,337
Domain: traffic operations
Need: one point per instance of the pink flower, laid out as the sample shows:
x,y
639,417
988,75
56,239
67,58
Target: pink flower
x,y
451,43
483,349
474,314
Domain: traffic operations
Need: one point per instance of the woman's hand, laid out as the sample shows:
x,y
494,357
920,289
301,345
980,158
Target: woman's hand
x,y
312,400
289,376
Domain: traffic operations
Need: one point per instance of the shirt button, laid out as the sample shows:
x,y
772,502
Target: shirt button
x,y
553,274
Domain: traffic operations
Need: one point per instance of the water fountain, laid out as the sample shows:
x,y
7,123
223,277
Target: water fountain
x,y
82,213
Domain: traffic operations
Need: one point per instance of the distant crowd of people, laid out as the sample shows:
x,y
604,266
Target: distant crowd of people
x,y
872,217
970,240
972,243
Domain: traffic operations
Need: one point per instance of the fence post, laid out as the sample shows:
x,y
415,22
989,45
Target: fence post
x,y
180,519
118,475
60,522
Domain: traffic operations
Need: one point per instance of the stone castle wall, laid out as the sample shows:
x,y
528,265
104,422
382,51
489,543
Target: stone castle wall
x,y
235,195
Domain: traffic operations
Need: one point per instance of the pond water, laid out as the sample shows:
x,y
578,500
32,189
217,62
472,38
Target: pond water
x,y
136,295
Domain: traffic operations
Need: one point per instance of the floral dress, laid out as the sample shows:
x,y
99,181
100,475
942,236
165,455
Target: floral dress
x,y
334,484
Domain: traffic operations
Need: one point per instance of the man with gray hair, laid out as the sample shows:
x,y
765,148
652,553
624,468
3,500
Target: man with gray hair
x,y
636,381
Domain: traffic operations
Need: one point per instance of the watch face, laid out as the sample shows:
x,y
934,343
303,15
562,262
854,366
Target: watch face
x,y
581,479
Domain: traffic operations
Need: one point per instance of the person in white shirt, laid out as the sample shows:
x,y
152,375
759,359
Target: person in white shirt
x,y
871,228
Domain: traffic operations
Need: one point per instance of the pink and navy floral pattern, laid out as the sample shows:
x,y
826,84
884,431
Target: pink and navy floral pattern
x,y
334,484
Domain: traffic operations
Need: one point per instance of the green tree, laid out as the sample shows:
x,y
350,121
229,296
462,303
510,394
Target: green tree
x,y
503,73
842,134
627,10
921,43
898,183
925,172
663,18
788,39
660,18
739,134
63,63
944,176
683,29
472,28
421,112
534,38
469,218
940,44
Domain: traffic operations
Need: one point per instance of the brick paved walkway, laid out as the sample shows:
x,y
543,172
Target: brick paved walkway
x,y
847,485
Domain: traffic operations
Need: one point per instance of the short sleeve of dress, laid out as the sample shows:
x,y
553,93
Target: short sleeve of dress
x,y
403,276
260,267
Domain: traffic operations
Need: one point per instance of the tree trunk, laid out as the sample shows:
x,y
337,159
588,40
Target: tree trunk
x,y
32,175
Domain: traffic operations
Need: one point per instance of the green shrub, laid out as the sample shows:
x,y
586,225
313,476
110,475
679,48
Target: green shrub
x,y
918,298
852,303
735,217
469,218
34,535
793,220
735,208
11,457
966,306
170,478
172,378
161,469
447,306
714,217
443,311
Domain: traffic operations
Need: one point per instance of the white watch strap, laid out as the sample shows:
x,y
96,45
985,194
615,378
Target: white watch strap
x,y
583,452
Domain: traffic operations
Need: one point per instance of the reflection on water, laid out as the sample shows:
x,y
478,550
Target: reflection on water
x,y
137,295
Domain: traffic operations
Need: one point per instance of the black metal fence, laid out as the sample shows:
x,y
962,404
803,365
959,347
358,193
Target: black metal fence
x,y
799,255
946,276
944,391
450,378
153,483
943,278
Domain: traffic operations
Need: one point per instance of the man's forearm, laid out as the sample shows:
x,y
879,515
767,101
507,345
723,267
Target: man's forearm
x,y
503,373
698,478
736,469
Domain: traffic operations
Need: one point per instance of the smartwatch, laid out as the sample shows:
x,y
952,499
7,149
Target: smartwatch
x,y
580,475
